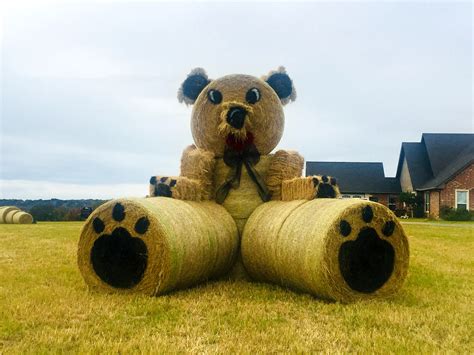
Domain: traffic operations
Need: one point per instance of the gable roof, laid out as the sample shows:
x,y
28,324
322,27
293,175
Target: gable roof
x,y
436,158
442,148
417,162
356,177
464,159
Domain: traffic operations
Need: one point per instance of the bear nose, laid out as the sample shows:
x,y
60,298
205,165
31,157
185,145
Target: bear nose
x,y
236,117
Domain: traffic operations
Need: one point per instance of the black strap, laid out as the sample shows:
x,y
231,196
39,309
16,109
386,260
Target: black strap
x,y
234,159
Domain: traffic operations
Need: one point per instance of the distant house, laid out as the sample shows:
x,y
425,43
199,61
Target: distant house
x,y
440,167
85,212
360,180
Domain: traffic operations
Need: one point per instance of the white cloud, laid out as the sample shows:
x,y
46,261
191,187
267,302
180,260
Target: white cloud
x,y
89,89
158,106
32,189
74,62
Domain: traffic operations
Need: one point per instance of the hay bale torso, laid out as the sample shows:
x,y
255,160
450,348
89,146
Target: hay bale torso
x,y
242,201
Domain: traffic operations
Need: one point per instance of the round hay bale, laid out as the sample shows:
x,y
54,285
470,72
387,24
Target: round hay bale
x,y
340,249
22,218
9,216
156,245
4,211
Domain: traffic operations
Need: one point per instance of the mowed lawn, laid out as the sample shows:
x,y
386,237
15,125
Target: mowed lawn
x,y
45,306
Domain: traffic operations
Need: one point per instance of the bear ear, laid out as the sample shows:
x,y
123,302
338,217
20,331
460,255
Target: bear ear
x,y
190,89
282,84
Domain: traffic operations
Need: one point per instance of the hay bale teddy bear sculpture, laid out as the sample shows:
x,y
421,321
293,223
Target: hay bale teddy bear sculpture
x,y
235,200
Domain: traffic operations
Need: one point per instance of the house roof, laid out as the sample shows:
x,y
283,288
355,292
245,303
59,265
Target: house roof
x,y
436,158
417,161
442,148
464,158
356,177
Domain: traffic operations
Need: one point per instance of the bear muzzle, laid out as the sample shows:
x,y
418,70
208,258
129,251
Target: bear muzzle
x,y
236,117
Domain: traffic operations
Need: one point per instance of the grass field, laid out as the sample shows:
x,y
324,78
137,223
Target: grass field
x,y
45,306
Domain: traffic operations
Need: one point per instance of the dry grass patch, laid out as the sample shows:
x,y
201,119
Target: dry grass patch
x,y
45,306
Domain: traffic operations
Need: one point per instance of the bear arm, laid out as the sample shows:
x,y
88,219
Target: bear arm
x,y
177,187
310,187
285,165
199,165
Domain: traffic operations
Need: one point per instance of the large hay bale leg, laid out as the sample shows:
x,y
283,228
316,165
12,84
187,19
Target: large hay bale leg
x,y
4,211
332,248
156,245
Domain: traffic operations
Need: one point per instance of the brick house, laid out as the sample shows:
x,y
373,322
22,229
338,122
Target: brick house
x,y
440,168
360,180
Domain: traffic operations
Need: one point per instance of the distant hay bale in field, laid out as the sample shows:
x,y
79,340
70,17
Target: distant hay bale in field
x,y
22,218
156,245
4,211
9,216
340,249
13,215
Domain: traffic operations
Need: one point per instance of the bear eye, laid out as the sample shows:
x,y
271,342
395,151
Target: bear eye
x,y
214,96
253,96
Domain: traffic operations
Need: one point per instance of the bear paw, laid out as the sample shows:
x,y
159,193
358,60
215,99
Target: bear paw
x,y
120,258
178,187
366,261
308,188
161,186
325,186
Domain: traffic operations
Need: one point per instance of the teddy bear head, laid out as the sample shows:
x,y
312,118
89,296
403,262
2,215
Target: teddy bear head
x,y
237,110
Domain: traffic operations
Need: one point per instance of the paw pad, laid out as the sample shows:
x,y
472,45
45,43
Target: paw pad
x,y
366,262
118,213
326,188
162,186
119,258
142,225
345,228
388,228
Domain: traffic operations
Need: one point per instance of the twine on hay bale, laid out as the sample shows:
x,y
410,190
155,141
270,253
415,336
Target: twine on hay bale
x,y
340,249
22,218
4,211
155,245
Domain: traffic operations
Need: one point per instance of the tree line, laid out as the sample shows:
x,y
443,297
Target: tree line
x,y
54,209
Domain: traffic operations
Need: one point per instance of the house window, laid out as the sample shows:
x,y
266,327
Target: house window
x,y
427,202
392,203
354,196
374,198
462,199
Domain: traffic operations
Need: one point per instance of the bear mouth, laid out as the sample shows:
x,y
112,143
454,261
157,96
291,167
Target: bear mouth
x,y
236,143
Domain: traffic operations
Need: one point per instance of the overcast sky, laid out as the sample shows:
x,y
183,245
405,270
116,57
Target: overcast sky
x,y
88,91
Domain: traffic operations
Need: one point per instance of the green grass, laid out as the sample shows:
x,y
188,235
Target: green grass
x,y
45,306
438,221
